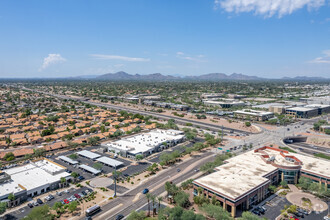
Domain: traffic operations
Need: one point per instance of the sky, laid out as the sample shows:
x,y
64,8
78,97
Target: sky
x,y
63,38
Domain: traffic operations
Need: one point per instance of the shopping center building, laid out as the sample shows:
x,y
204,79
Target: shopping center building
x,y
35,178
243,181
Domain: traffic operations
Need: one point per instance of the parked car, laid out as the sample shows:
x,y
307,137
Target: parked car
x,y
77,196
51,196
70,199
261,210
66,191
39,201
302,211
62,202
81,178
256,211
84,193
299,214
178,170
81,195
35,203
66,201
145,191
58,193
120,216
30,205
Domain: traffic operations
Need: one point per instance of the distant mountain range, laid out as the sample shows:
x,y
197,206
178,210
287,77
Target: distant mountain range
x,y
123,76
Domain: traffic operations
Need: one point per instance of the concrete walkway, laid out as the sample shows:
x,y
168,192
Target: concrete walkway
x,y
295,197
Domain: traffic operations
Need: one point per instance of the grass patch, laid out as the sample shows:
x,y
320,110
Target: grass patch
x,y
288,149
322,156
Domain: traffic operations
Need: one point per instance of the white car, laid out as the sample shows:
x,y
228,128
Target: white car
x,y
326,217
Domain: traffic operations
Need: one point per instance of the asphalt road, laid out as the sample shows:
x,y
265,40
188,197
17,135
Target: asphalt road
x,y
156,187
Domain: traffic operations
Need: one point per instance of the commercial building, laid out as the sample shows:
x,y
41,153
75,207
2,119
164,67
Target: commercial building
x,y
321,109
301,112
253,114
145,143
224,104
243,180
30,180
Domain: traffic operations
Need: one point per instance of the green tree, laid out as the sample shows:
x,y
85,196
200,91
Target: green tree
x,y
137,215
139,157
73,206
249,216
57,206
182,199
73,156
3,207
11,197
148,196
98,166
74,174
247,124
272,188
284,184
9,156
216,212
39,212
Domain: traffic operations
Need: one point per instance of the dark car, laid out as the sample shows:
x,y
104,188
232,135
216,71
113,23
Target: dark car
x,y
178,170
261,210
145,191
120,216
30,205
299,214
256,211
81,178
84,193
69,171
39,201
302,211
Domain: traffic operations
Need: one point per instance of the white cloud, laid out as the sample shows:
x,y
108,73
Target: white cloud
x,y
323,59
267,8
116,57
182,55
52,58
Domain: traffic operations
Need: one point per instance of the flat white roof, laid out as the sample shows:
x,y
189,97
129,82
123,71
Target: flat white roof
x,y
240,175
34,175
88,154
253,112
68,159
301,109
146,141
9,187
109,161
247,171
89,169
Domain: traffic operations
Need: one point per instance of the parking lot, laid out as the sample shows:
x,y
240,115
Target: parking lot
x,y
275,205
20,213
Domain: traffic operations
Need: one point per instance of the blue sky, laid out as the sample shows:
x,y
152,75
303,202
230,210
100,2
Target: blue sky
x,y
268,38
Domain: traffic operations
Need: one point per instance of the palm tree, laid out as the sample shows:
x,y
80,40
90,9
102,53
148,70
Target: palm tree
x,y
153,199
148,195
160,199
200,190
